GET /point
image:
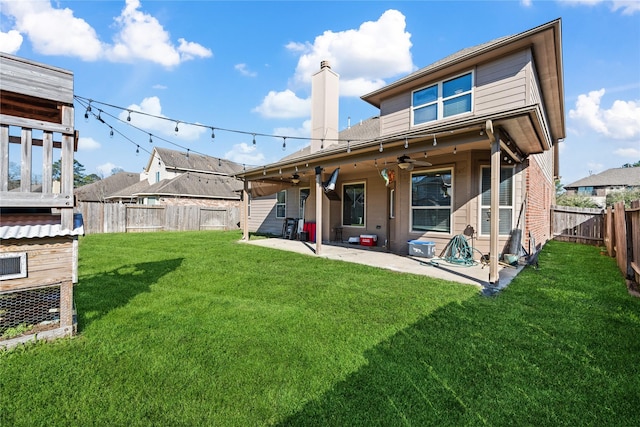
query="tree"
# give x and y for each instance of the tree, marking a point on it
(632, 165)
(78, 172)
(627, 196)
(577, 200)
(559, 188)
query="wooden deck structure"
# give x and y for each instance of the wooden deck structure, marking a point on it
(38, 230)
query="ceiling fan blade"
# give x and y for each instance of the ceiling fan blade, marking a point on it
(421, 163)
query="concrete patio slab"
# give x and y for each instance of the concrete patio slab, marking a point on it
(477, 275)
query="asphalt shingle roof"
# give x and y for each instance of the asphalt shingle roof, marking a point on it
(610, 177)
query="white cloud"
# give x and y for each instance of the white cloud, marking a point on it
(631, 153)
(158, 124)
(304, 131)
(105, 169)
(70, 36)
(10, 41)
(621, 121)
(525, 3)
(628, 7)
(159, 86)
(283, 104)
(88, 144)
(246, 154)
(362, 57)
(140, 36)
(242, 69)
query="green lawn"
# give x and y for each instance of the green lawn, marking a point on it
(183, 329)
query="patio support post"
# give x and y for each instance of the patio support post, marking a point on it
(495, 206)
(245, 211)
(319, 191)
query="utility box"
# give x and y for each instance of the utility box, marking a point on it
(422, 248)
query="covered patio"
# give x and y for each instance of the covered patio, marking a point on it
(476, 275)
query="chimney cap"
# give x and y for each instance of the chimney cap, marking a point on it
(325, 64)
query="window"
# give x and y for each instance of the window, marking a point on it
(281, 204)
(13, 265)
(443, 99)
(505, 212)
(353, 199)
(158, 176)
(304, 194)
(586, 191)
(431, 196)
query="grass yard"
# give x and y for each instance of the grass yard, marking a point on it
(195, 329)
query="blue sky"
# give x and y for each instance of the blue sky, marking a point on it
(246, 66)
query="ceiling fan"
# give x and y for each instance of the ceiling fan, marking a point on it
(295, 179)
(407, 163)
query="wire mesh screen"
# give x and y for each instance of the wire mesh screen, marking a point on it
(29, 311)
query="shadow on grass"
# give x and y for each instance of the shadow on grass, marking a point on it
(98, 294)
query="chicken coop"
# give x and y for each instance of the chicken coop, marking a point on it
(38, 228)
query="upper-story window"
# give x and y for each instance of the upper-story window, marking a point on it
(443, 99)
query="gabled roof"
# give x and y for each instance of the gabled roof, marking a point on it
(179, 160)
(545, 41)
(130, 191)
(98, 191)
(611, 177)
(195, 185)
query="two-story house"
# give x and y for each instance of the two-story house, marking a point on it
(466, 145)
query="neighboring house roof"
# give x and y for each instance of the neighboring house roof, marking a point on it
(195, 185)
(98, 191)
(179, 160)
(615, 177)
(130, 191)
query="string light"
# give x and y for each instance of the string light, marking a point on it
(434, 140)
(284, 143)
(264, 170)
(137, 150)
(187, 153)
(176, 129)
(348, 146)
(406, 142)
(100, 117)
(254, 139)
(110, 132)
(321, 144)
(219, 162)
(455, 150)
(213, 134)
(129, 116)
(381, 148)
(150, 140)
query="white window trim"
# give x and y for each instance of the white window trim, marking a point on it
(364, 222)
(23, 265)
(440, 100)
(451, 208)
(284, 204)
(512, 207)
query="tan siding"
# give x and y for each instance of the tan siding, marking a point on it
(501, 85)
(395, 114)
(49, 261)
(263, 216)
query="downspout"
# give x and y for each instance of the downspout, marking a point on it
(495, 202)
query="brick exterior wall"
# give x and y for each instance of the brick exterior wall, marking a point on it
(540, 195)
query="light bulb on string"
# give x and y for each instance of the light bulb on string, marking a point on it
(150, 139)
(455, 150)
(110, 132)
(254, 139)
(322, 143)
(176, 130)
(435, 142)
(348, 146)
(187, 153)
(128, 116)
(406, 143)
(137, 150)
(213, 134)
(284, 143)
(381, 148)
(219, 162)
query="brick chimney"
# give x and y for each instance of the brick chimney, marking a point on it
(324, 107)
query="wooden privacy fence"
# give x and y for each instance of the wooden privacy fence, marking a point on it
(578, 225)
(617, 228)
(622, 237)
(122, 218)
